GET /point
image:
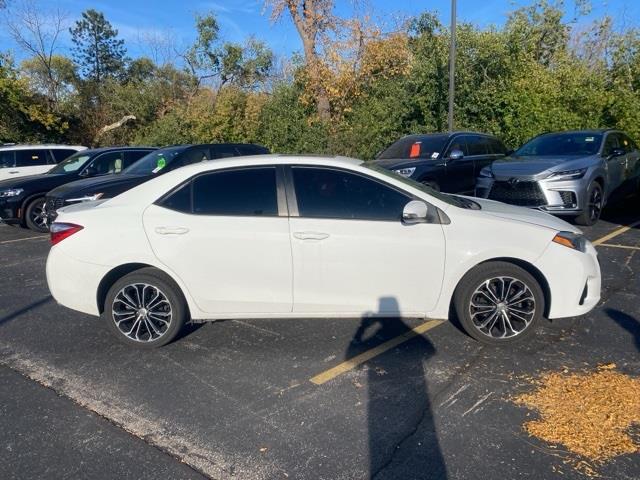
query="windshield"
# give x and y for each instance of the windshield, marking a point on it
(155, 162)
(569, 143)
(72, 164)
(455, 200)
(414, 146)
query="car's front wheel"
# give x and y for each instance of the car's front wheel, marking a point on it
(499, 302)
(35, 216)
(593, 209)
(145, 308)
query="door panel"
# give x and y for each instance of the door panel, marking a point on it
(351, 250)
(459, 176)
(616, 166)
(229, 264)
(359, 263)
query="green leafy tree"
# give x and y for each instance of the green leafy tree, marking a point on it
(97, 50)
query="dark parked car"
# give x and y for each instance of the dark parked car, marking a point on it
(22, 199)
(449, 162)
(566, 173)
(156, 163)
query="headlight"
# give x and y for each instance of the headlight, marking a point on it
(405, 172)
(572, 240)
(568, 174)
(86, 198)
(486, 173)
(11, 192)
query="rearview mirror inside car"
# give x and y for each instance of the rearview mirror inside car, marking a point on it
(456, 155)
(416, 211)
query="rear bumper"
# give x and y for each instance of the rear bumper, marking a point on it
(74, 284)
(574, 280)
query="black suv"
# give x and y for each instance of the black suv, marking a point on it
(448, 162)
(155, 163)
(22, 199)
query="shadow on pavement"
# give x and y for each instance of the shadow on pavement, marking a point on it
(17, 313)
(627, 322)
(398, 402)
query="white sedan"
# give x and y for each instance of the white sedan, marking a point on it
(296, 236)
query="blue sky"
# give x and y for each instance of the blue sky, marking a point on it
(138, 20)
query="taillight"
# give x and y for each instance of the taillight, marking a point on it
(60, 231)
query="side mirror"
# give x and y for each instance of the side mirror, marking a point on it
(616, 152)
(416, 211)
(456, 155)
(89, 172)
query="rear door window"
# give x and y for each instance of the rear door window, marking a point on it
(32, 158)
(60, 154)
(132, 156)
(242, 192)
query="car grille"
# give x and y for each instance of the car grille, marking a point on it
(525, 194)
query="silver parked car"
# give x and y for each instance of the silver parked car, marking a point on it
(565, 173)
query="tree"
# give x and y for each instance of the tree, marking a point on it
(37, 33)
(312, 19)
(97, 49)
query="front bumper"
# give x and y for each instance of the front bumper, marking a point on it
(10, 210)
(557, 197)
(573, 278)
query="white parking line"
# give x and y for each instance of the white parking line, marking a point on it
(24, 239)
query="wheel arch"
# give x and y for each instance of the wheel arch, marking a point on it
(113, 275)
(526, 266)
(26, 202)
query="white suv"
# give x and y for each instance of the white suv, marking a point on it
(21, 160)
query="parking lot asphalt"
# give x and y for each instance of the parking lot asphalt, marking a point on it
(275, 399)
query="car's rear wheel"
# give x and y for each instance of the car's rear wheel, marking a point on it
(499, 303)
(35, 217)
(593, 209)
(145, 308)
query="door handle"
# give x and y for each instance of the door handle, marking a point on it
(171, 230)
(14, 171)
(310, 235)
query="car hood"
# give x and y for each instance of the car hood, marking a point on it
(107, 184)
(522, 214)
(535, 166)
(34, 181)
(392, 163)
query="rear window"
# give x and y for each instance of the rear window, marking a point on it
(429, 146)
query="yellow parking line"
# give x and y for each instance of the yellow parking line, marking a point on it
(615, 233)
(21, 239)
(369, 354)
(613, 245)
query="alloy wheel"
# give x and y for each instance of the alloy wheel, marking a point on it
(141, 312)
(502, 307)
(39, 216)
(595, 203)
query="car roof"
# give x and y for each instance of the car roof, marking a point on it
(447, 134)
(53, 146)
(94, 151)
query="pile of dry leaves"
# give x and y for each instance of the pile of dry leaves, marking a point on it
(590, 413)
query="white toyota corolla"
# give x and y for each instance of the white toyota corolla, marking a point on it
(298, 236)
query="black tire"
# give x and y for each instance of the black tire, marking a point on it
(34, 216)
(431, 184)
(151, 332)
(523, 289)
(595, 204)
